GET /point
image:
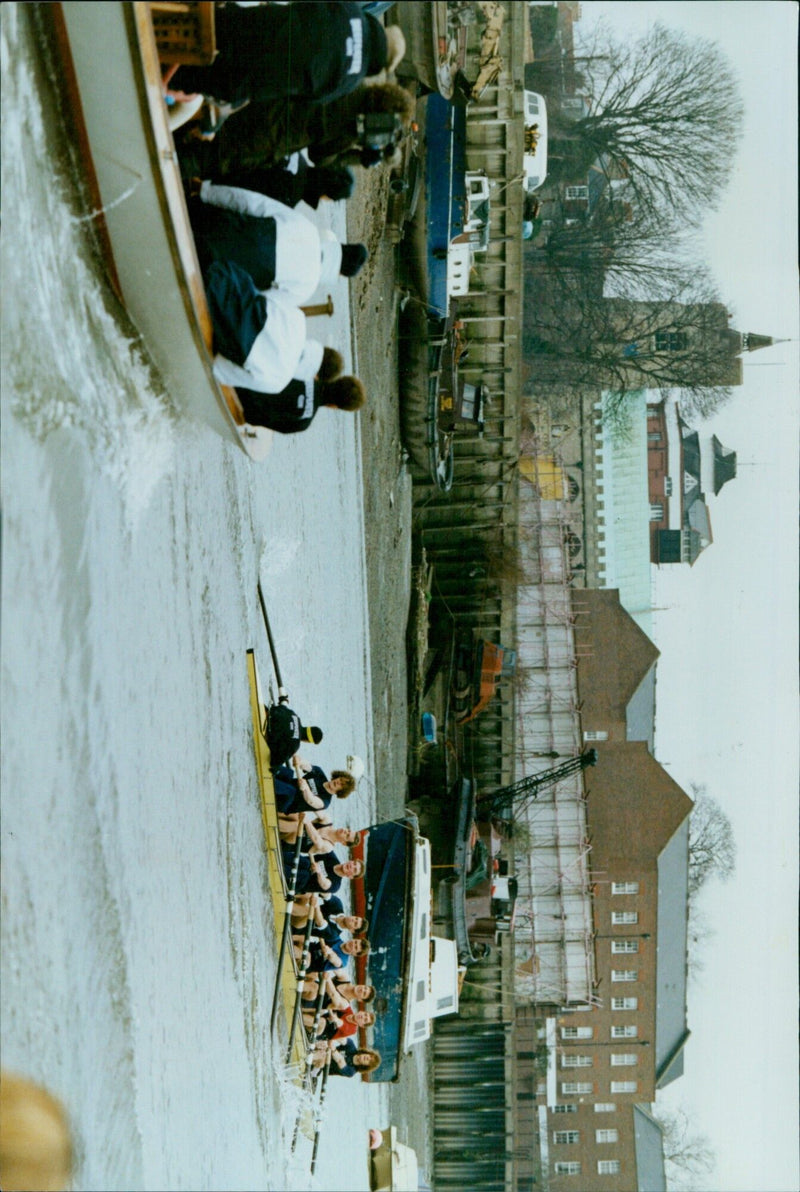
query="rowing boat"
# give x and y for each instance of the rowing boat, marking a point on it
(272, 842)
(111, 82)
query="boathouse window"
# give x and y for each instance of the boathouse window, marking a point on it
(624, 1032)
(576, 192)
(626, 1059)
(576, 1088)
(624, 974)
(595, 734)
(564, 1137)
(573, 1108)
(576, 1032)
(570, 1168)
(618, 918)
(656, 510)
(608, 1166)
(606, 1107)
(576, 1061)
(618, 946)
(668, 486)
(624, 1003)
(606, 1135)
(624, 887)
(624, 1086)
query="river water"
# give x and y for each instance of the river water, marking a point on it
(138, 946)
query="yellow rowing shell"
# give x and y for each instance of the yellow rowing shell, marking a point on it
(269, 818)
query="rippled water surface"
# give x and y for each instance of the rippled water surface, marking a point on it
(137, 943)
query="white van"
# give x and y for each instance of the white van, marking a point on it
(534, 161)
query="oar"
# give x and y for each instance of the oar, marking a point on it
(287, 925)
(308, 1075)
(301, 976)
(281, 689)
(323, 1090)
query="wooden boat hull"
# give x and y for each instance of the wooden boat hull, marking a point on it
(117, 79)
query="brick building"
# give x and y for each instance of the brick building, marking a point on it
(607, 1056)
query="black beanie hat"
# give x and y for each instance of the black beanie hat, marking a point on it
(353, 259)
(312, 734)
(374, 45)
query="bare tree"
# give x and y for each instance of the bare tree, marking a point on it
(689, 1158)
(665, 112)
(677, 342)
(712, 848)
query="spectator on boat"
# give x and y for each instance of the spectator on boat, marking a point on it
(293, 180)
(285, 731)
(364, 128)
(295, 407)
(315, 52)
(259, 338)
(277, 246)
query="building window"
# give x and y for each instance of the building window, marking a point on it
(619, 918)
(624, 975)
(605, 1107)
(576, 1061)
(624, 1032)
(624, 1086)
(576, 1088)
(571, 1168)
(624, 1003)
(593, 734)
(624, 887)
(671, 341)
(654, 436)
(565, 1108)
(618, 946)
(656, 511)
(576, 192)
(608, 1166)
(623, 1059)
(606, 1136)
(668, 486)
(563, 1137)
(577, 1032)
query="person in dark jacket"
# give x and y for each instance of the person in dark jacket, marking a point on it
(265, 134)
(317, 52)
(294, 408)
(285, 731)
(294, 180)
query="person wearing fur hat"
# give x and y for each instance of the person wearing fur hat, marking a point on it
(316, 52)
(264, 134)
(276, 245)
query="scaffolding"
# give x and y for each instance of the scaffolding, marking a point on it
(554, 933)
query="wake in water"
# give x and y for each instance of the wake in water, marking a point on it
(60, 318)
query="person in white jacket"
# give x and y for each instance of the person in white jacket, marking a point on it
(259, 336)
(279, 248)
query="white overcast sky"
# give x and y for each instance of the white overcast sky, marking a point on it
(727, 686)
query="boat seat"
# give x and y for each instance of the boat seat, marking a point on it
(184, 32)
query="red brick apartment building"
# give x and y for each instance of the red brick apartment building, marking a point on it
(607, 1057)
